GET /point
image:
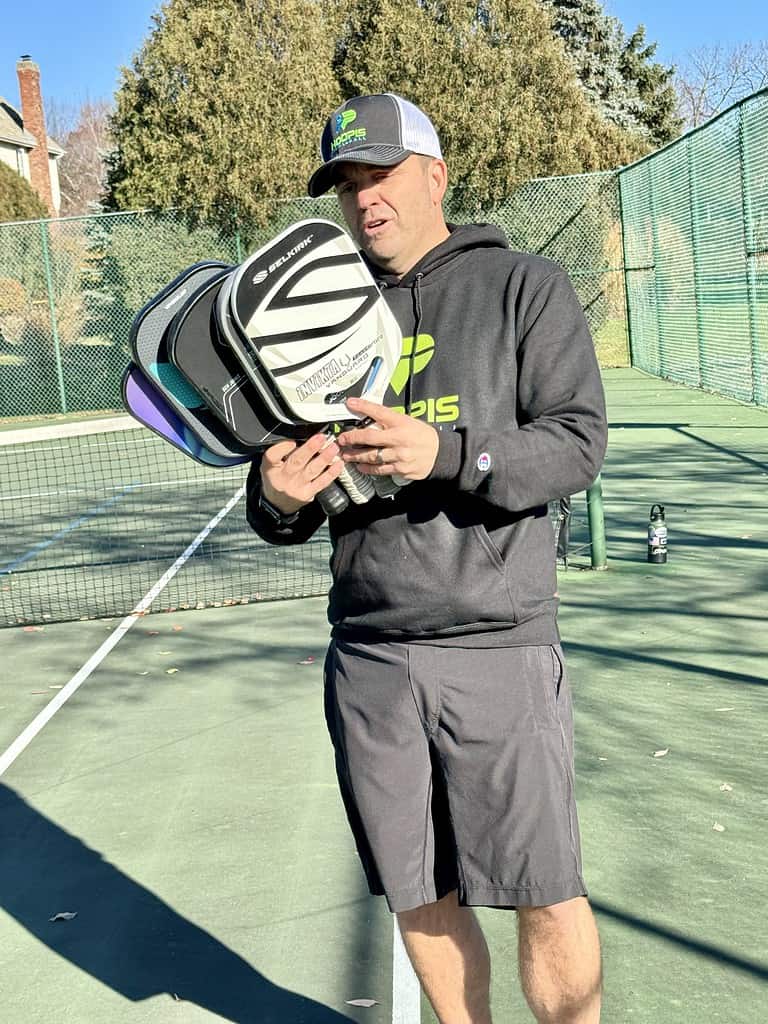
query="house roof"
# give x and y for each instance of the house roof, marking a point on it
(12, 130)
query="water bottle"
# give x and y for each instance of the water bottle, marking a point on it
(657, 536)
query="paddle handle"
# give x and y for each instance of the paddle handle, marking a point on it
(333, 499)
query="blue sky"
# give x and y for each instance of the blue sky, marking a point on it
(679, 26)
(80, 48)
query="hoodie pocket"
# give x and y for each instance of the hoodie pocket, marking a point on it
(485, 539)
(421, 574)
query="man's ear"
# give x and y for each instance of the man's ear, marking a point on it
(437, 176)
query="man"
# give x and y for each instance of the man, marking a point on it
(446, 694)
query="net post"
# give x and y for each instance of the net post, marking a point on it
(52, 311)
(596, 517)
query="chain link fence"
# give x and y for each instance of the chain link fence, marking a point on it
(669, 254)
(695, 220)
(70, 288)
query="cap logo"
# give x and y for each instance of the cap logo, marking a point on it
(346, 117)
(347, 137)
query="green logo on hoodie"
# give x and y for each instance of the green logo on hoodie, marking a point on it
(418, 351)
(416, 355)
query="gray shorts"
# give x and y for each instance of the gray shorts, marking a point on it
(456, 771)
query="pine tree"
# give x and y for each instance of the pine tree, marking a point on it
(657, 108)
(498, 86)
(617, 72)
(18, 200)
(220, 113)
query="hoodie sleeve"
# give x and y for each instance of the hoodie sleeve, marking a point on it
(558, 444)
(311, 516)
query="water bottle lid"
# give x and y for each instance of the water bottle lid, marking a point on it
(657, 514)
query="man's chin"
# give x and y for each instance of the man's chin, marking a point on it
(381, 255)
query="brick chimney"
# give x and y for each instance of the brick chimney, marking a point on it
(34, 122)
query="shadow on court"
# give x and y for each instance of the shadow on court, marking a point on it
(124, 936)
(685, 943)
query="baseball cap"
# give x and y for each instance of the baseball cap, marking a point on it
(382, 129)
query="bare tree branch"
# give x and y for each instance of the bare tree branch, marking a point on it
(84, 135)
(711, 78)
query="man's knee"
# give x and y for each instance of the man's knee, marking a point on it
(555, 915)
(432, 918)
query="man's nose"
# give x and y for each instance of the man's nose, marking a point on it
(367, 194)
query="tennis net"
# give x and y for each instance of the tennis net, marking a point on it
(92, 515)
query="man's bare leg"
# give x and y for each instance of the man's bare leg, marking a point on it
(559, 954)
(448, 952)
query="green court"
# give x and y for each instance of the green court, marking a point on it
(182, 801)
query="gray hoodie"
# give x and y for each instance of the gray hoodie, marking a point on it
(504, 367)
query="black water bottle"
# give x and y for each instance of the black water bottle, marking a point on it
(657, 536)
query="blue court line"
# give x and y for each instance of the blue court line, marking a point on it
(35, 550)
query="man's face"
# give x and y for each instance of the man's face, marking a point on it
(394, 213)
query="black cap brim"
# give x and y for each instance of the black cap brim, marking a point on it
(324, 177)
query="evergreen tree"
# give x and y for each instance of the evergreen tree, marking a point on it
(18, 200)
(656, 109)
(497, 85)
(220, 113)
(616, 71)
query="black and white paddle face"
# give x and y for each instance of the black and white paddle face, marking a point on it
(150, 352)
(208, 363)
(309, 325)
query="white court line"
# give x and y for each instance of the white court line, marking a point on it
(406, 991)
(22, 741)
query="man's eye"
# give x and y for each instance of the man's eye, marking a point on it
(343, 188)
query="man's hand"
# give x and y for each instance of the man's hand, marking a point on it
(292, 475)
(397, 443)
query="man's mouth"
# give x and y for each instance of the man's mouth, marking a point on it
(372, 227)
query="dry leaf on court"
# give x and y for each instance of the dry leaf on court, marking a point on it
(153, 632)
(143, 673)
(725, 709)
(171, 671)
(717, 827)
(725, 788)
(33, 629)
(362, 1002)
(306, 661)
(64, 915)
(661, 753)
(177, 629)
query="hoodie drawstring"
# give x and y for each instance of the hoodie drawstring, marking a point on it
(416, 293)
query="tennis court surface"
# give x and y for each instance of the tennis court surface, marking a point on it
(181, 803)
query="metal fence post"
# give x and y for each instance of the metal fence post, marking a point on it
(656, 249)
(52, 310)
(596, 517)
(625, 268)
(696, 251)
(749, 265)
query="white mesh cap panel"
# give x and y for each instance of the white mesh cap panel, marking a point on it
(418, 132)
